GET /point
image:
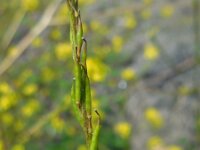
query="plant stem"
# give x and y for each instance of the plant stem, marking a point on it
(81, 93)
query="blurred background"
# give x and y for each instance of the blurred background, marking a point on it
(143, 65)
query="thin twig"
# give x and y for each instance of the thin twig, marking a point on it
(12, 29)
(26, 41)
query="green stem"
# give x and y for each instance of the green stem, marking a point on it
(81, 92)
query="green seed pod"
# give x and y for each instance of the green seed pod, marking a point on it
(84, 56)
(88, 101)
(75, 108)
(79, 35)
(78, 83)
(83, 77)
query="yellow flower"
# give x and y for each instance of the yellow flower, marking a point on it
(30, 5)
(117, 43)
(37, 42)
(5, 88)
(82, 147)
(151, 52)
(174, 147)
(128, 74)
(154, 142)
(56, 34)
(97, 71)
(30, 89)
(130, 22)
(61, 14)
(57, 123)
(63, 51)
(167, 11)
(95, 25)
(123, 129)
(154, 117)
(29, 108)
(18, 147)
(6, 102)
(7, 118)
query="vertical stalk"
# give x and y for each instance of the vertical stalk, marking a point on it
(80, 92)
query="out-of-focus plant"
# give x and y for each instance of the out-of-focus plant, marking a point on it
(80, 92)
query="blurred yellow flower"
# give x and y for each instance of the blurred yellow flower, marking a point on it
(63, 51)
(130, 22)
(61, 14)
(151, 52)
(82, 147)
(154, 142)
(7, 118)
(154, 117)
(57, 123)
(5, 88)
(30, 89)
(117, 43)
(97, 70)
(55, 34)
(174, 147)
(123, 129)
(29, 108)
(6, 102)
(30, 5)
(167, 11)
(37, 42)
(95, 25)
(128, 74)
(18, 147)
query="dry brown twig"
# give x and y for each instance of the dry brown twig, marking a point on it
(26, 41)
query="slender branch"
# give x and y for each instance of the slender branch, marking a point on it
(12, 29)
(26, 41)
